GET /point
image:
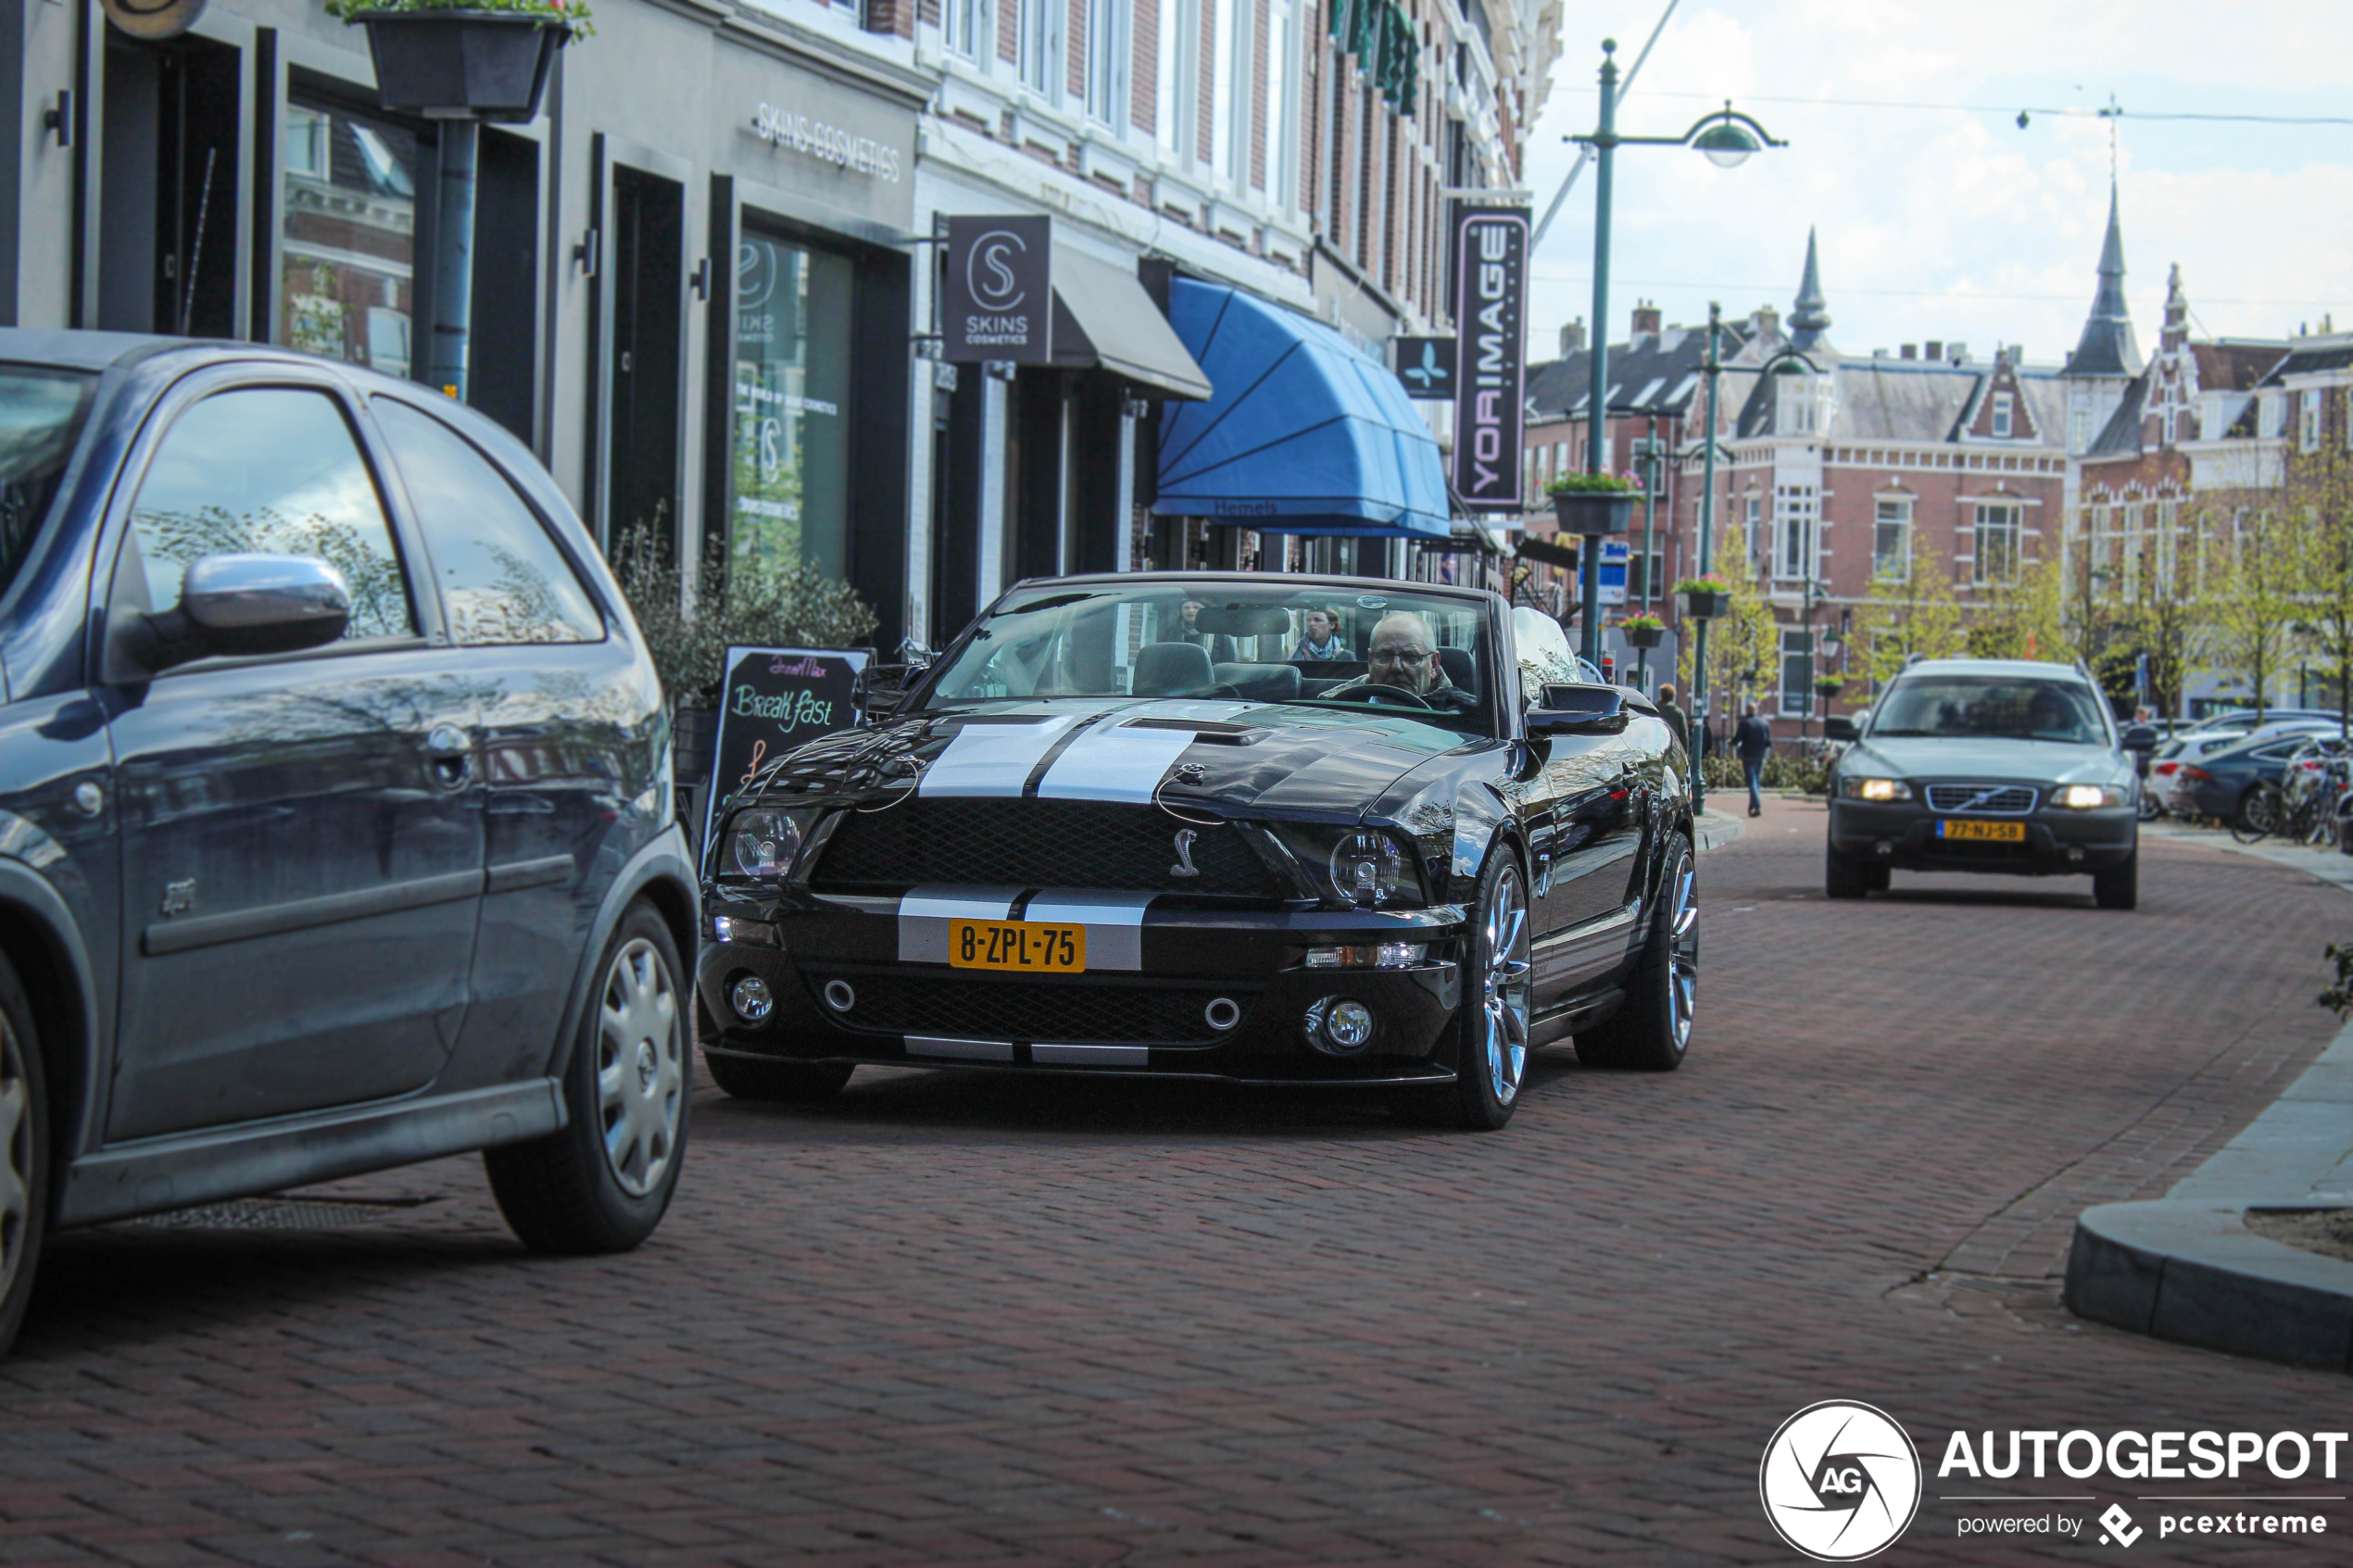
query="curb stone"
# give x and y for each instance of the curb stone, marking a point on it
(2186, 1267)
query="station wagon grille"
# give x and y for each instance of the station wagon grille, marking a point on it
(1035, 843)
(1029, 1009)
(1998, 800)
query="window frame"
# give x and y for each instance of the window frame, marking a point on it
(2004, 416)
(118, 532)
(1803, 653)
(1982, 527)
(1880, 519)
(584, 579)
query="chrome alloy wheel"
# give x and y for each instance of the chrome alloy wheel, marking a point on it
(16, 1157)
(1503, 981)
(1682, 949)
(641, 1067)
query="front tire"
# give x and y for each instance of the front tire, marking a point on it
(1845, 877)
(24, 1153)
(1653, 1030)
(1491, 1062)
(602, 1183)
(777, 1083)
(2120, 887)
(2260, 812)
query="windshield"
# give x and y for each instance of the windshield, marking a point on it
(41, 414)
(1992, 707)
(1381, 645)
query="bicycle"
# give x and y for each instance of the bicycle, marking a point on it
(2302, 808)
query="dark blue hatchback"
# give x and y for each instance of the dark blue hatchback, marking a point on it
(335, 818)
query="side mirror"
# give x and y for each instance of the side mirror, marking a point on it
(1578, 711)
(250, 604)
(882, 685)
(1842, 729)
(2138, 738)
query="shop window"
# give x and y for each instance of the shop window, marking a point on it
(270, 470)
(503, 579)
(788, 504)
(349, 239)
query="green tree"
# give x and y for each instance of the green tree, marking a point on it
(1913, 613)
(2249, 604)
(2022, 619)
(2319, 498)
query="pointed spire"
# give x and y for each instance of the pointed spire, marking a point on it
(2177, 313)
(1812, 317)
(2109, 347)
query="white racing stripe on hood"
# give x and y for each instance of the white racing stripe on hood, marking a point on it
(993, 757)
(925, 913)
(1116, 761)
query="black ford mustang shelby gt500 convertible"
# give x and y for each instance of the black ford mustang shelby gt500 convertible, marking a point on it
(1275, 829)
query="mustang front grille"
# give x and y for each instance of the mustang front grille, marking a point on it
(1029, 1009)
(1997, 800)
(1038, 844)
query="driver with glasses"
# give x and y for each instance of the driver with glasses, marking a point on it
(1404, 658)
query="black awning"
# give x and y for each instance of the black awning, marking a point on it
(1103, 318)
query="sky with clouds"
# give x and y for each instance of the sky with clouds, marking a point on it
(1947, 220)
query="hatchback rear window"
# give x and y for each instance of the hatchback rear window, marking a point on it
(40, 415)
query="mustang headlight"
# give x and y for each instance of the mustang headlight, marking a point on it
(1366, 867)
(2086, 797)
(762, 842)
(1874, 789)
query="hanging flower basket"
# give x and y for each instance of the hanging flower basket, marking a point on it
(1706, 598)
(486, 65)
(1592, 513)
(1643, 631)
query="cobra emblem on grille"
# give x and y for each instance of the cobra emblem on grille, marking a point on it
(1184, 866)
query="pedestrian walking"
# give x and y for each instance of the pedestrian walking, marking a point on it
(1754, 742)
(1674, 717)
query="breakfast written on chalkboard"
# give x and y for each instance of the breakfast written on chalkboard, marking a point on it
(776, 700)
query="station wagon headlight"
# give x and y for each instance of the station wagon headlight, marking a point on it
(1874, 789)
(762, 842)
(2086, 797)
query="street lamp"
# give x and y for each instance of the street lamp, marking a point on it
(1725, 138)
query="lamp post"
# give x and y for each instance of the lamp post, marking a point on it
(1727, 138)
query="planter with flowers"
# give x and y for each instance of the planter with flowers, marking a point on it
(1593, 503)
(465, 59)
(1706, 598)
(1643, 631)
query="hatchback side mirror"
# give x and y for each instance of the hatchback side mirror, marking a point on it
(1578, 711)
(250, 604)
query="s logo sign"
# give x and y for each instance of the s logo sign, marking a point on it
(989, 275)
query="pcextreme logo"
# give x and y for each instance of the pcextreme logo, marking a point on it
(1840, 1481)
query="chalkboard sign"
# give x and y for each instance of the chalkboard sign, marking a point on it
(774, 700)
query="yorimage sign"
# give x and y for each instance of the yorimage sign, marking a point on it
(1490, 331)
(1001, 290)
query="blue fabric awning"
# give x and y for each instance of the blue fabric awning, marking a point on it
(1304, 434)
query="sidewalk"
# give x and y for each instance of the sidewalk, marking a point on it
(2186, 1267)
(1714, 829)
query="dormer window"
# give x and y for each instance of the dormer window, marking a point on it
(1794, 413)
(2005, 414)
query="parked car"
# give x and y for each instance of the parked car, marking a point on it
(2218, 780)
(1080, 845)
(2000, 765)
(335, 829)
(2204, 739)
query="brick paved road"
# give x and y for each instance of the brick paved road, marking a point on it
(974, 1320)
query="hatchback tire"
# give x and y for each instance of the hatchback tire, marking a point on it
(782, 1083)
(602, 1183)
(2120, 887)
(24, 1153)
(1653, 1029)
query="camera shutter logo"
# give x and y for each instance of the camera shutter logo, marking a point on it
(1840, 1481)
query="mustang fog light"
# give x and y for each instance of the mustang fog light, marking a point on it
(1349, 1025)
(839, 996)
(751, 998)
(1222, 1013)
(1383, 955)
(2086, 797)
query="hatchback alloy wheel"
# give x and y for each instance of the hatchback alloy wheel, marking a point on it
(640, 1067)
